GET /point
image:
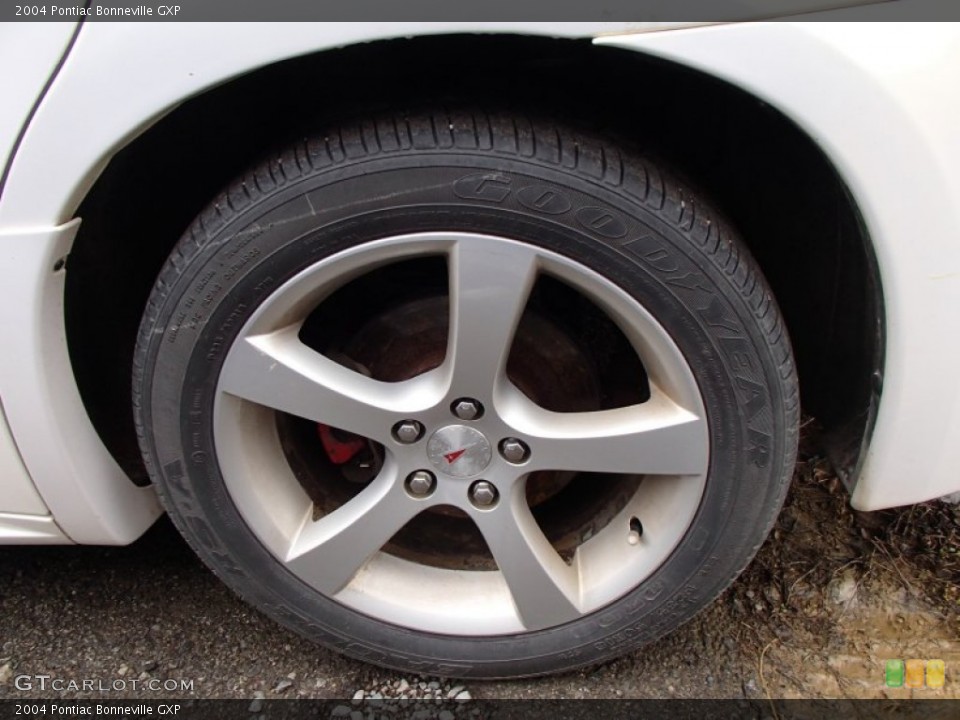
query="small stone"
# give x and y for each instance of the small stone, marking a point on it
(434, 685)
(783, 632)
(772, 595)
(750, 687)
(340, 711)
(6, 672)
(358, 697)
(256, 705)
(843, 589)
(123, 670)
(462, 696)
(403, 686)
(150, 665)
(292, 676)
(283, 685)
(454, 690)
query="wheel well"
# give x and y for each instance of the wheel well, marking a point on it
(768, 176)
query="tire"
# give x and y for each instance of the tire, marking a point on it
(587, 340)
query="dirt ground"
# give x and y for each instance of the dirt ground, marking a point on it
(835, 593)
(830, 597)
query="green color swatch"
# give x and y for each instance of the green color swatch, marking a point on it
(894, 673)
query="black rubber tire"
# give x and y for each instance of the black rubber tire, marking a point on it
(617, 214)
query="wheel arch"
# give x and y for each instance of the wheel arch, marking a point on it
(797, 215)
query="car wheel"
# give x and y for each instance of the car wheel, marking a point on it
(467, 394)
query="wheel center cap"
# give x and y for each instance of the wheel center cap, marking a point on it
(459, 451)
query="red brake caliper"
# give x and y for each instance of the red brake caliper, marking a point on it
(341, 446)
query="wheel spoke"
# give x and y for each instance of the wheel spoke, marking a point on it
(489, 286)
(280, 372)
(544, 588)
(657, 437)
(328, 552)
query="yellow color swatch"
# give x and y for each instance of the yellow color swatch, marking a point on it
(936, 673)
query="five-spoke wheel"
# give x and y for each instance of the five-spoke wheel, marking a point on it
(434, 457)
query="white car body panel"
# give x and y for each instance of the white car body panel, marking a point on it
(865, 94)
(19, 495)
(91, 498)
(43, 44)
(24, 517)
(858, 90)
(16, 529)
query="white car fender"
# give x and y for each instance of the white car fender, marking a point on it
(866, 95)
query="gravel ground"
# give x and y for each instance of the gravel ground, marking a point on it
(830, 597)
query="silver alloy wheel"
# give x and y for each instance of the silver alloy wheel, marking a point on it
(663, 441)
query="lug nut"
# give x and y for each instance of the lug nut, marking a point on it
(408, 431)
(467, 409)
(483, 494)
(513, 450)
(420, 483)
